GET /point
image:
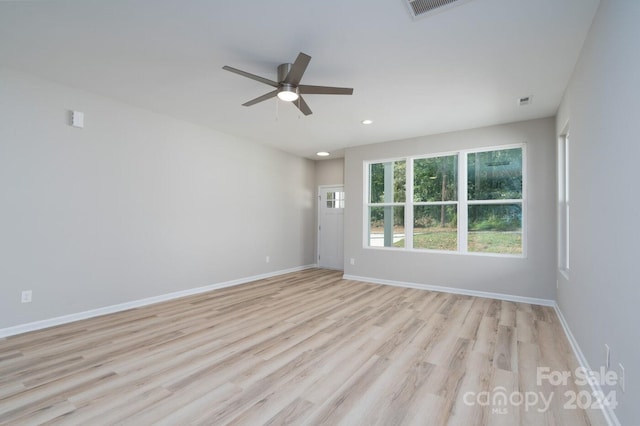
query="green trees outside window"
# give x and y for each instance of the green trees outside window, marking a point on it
(435, 207)
(387, 195)
(495, 227)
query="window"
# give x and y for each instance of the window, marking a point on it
(386, 204)
(335, 200)
(494, 194)
(435, 203)
(563, 204)
(466, 202)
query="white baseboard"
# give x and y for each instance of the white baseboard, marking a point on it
(38, 325)
(608, 413)
(465, 292)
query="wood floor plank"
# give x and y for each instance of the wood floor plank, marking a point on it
(302, 348)
(506, 350)
(291, 414)
(388, 399)
(340, 368)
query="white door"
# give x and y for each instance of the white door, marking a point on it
(330, 227)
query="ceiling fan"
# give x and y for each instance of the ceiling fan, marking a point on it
(288, 87)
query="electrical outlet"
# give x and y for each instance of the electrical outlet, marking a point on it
(352, 261)
(26, 296)
(621, 378)
(267, 259)
(607, 357)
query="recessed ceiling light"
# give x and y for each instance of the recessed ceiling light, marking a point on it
(367, 121)
(322, 154)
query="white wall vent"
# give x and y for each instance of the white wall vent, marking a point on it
(421, 8)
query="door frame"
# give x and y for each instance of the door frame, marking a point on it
(318, 216)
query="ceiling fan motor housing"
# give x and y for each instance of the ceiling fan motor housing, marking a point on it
(283, 71)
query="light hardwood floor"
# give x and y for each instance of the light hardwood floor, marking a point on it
(301, 348)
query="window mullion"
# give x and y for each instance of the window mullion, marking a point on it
(498, 201)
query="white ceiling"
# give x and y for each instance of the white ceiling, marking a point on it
(459, 69)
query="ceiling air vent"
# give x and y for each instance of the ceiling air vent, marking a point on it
(525, 100)
(421, 8)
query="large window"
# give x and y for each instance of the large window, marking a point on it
(468, 202)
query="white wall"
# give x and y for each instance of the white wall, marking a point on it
(134, 205)
(532, 276)
(600, 300)
(330, 172)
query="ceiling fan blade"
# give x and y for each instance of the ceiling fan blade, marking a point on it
(302, 106)
(251, 76)
(261, 98)
(324, 90)
(297, 69)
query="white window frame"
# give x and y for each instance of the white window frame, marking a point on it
(411, 203)
(367, 204)
(462, 202)
(563, 205)
(522, 202)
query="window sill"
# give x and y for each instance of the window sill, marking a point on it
(455, 253)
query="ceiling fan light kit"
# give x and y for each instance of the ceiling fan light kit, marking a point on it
(288, 93)
(288, 87)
